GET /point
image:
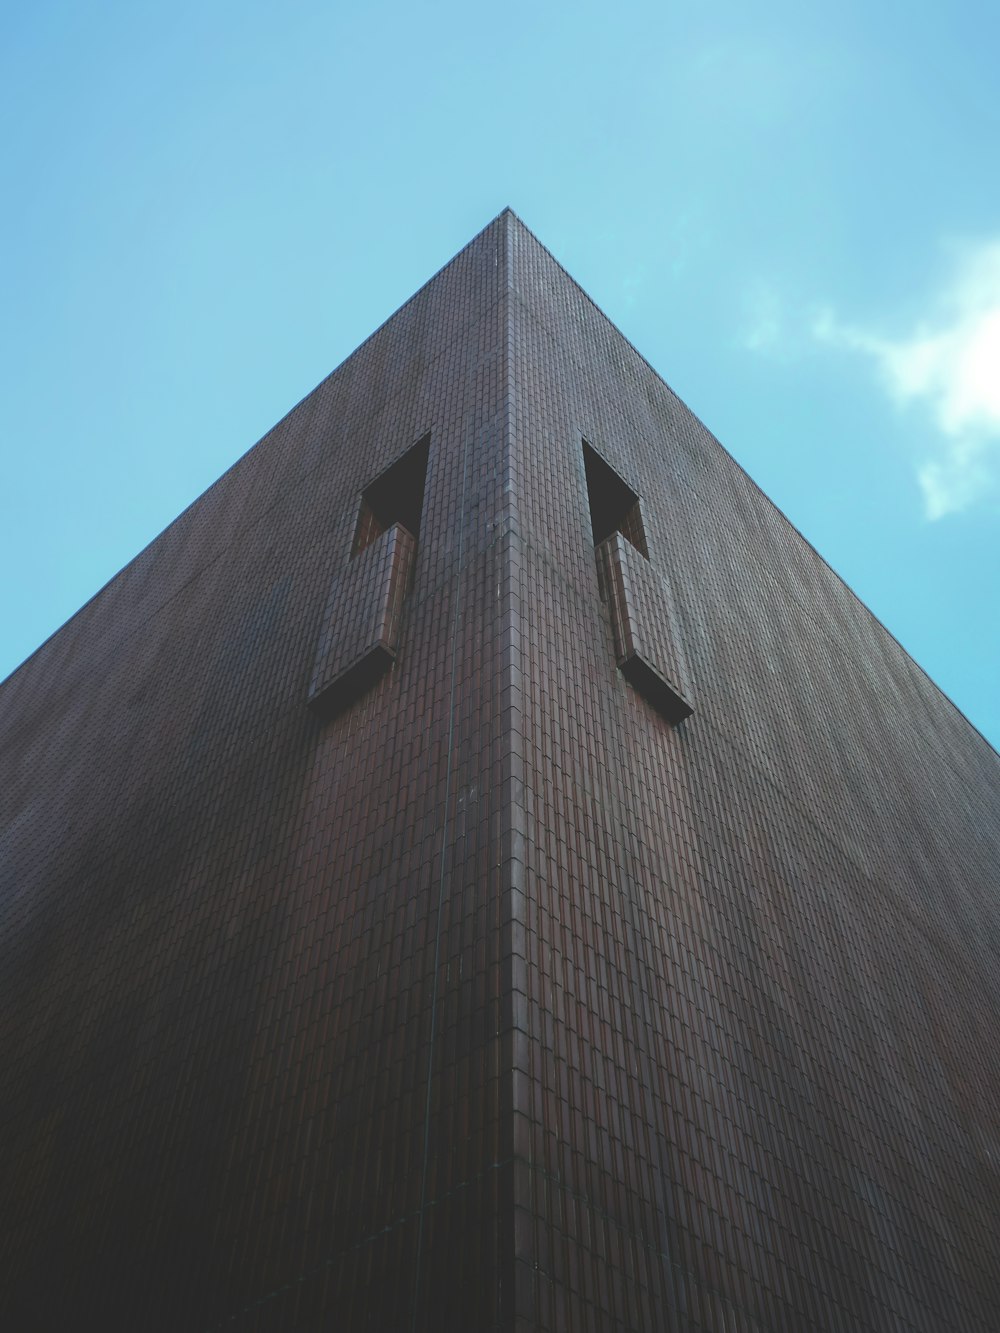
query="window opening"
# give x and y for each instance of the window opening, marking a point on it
(614, 506)
(396, 496)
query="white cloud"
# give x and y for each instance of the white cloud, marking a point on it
(771, 327)
(764, 332)
(950, 364)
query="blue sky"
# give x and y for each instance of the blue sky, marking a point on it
(792, 210)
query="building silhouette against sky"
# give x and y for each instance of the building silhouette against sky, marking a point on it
(480, 869)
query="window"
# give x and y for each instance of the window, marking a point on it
(614, 506)
(396, 496)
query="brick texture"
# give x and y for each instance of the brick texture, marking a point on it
(490, 999)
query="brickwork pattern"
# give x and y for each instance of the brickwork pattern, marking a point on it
(250, 1000)
(494, 1001)
(760, 974)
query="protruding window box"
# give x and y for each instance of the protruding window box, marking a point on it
(640, 618)
(361, 625)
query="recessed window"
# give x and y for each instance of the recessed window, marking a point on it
(396, 496)
(614, 506)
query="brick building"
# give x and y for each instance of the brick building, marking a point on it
(388, 946)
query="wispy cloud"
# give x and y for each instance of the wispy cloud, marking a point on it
(764, 330)
(950, 365)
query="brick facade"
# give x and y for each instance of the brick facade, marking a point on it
(490, 993)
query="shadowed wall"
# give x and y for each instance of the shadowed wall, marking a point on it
(486, 997)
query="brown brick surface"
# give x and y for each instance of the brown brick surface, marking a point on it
(493, 1001)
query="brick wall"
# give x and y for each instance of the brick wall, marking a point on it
(493, 998)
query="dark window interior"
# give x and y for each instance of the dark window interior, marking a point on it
(614, 506)
(397, 496)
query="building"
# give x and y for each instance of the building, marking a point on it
(387, 945)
